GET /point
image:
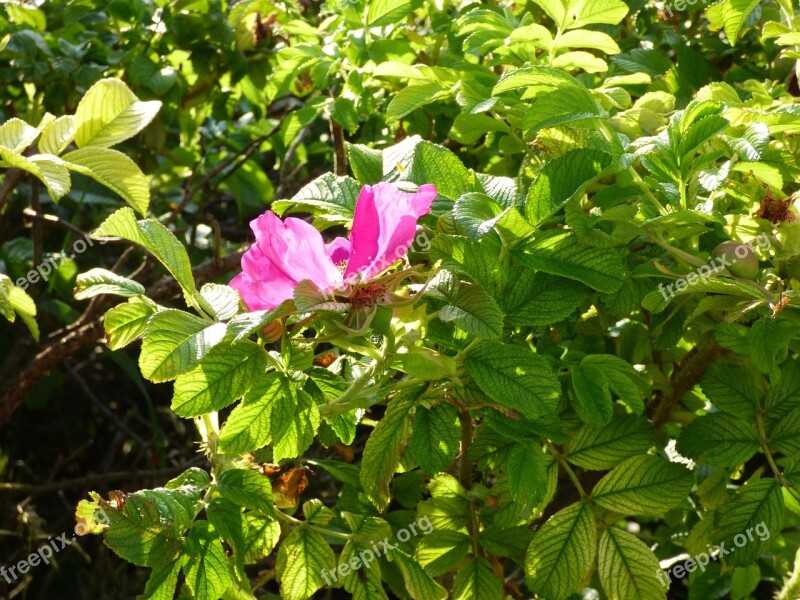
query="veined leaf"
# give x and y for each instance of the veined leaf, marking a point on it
(627, 567)
(126, 322)
(154, 237)
(441, 551)
(719, 439)
(248, 426)
(515, 377)
(436, 438)
(419, 584)
(115, 171)
(605, 447)
(100, 281)
(57, 135)
(110, 113)
(731, 389)
(222, 376)
(16, 135)
(174, 342)
(248, 489)
(383, 450)
(47, 168)
(207, 573)
(561, 253)
(477, 580)
(302, 558)
(475, 311)
(759, 504)
(562, 552)
(643, 485)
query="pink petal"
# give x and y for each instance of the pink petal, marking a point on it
(285, 253)
(384, 226)
(339, 250)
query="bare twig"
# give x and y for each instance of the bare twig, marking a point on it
(234, 161)
(26, 489)
(57, 350)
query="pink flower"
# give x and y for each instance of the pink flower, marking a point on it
(290, 251)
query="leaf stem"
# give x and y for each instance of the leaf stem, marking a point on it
(321, 530)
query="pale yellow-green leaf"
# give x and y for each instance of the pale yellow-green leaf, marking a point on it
(57, 135)
(16, 134)
(302, 558)
(584, 38)
(49, 169)
(110, 113)
(114, 170)
(580, 60)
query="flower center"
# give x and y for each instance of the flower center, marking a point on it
(369, 295)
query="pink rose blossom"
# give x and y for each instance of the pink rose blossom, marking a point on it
(290, 251)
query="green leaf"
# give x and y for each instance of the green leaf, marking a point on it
(413, 97)
(601, 448)
(16, 135)
(331, 199)
(527, 472)
(262, 536)
(719, 439)
(561, 179)
(562, 253)
(436, 438)
(147, 530)
(295, 419)
(441, 551)
(515, 377)
(627, 567)
(477, 214)
(243, 326)
(48, 169)
(592, 395)
(570, 103)
(163, 581)
(431, 163)
(246, 488)
(585, 38)
(248, 426)
(562, 552)
(223, 299)
(510, 542)
(100, 281)
(115, 171)
(731, 389)
(229, 522)
(206, 571)
(383, 450)
(225, 374)
(57, 135)
(477, 580)
(365, 162)
(539, 299)
(757, 507)
(590, 12)
(302, 558)
(174, 342)
(110, 113)
(317, 513)
(387, 12)
(731, 14)
(785, 435)
(475, 311)
(154, 237)
(643, 485)
(126, 322)
(419, 585)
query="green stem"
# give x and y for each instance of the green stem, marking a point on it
(568, 470)
(762, 433)
(328, 532)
